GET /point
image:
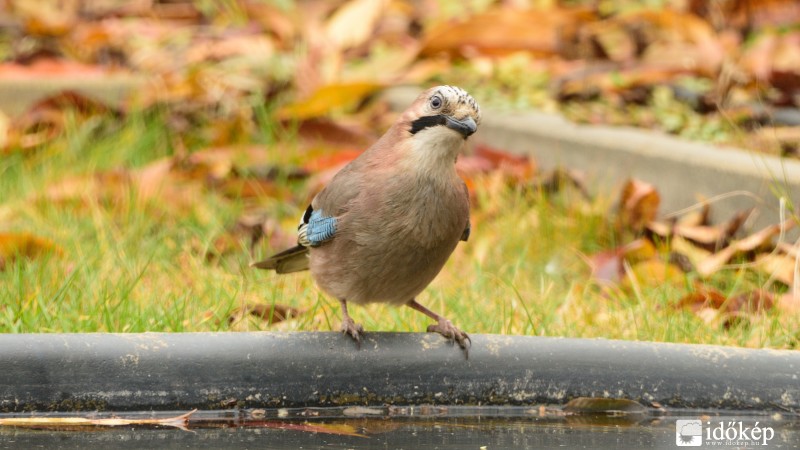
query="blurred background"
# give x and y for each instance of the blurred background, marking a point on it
(149, 150)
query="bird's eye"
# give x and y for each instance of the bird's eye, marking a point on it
(436, 102)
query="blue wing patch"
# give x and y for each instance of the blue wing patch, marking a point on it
(316, 228)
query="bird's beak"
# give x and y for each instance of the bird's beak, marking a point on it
(465, 126)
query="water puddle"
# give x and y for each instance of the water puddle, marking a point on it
(404, 428)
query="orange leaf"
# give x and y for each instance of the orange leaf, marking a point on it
(519, 167)
(354, 23)
(638, 204)
(788, 303)
(760, 239)
(777, 265)
(50, 67)
(335, 160)
(334, 134)
(328, 98)
(504, 31)
(702, 297)
(23, 245)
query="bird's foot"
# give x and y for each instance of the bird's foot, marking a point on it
(352, 329)
(448, 330)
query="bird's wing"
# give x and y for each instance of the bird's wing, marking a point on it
(315, 228)
(467, 231)
(319, 222)
(468, 227)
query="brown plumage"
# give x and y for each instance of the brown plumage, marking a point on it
(384, 227)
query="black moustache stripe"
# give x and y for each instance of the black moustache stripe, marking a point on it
(426, 122)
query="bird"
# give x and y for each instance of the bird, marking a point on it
(382, 229)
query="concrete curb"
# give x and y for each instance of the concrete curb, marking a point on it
(166, 371)
(683, 171)
(17, 95)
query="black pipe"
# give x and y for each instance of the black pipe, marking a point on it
(160, 371)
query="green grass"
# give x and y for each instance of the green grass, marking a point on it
(133, 265)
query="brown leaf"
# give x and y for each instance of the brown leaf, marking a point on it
(760, 239)
(335, 160)
(788, 303)
(662, 37)
(241, 45)
(749, 14)
(24, 245)
(249, 227)
(701, 297)
(692, 252)
(696, 217)
(654, 272)
(328, 98)
(50, 67)
(46, 119)
(638, 204)
(160, 183)
(271, 314)
(705, 296)
(517, 167)
(504, 31)
(331, 134)
(706, 236)
(510, 169)
(750, 302)
(777, 265)
(607, 266)
(354, 23)
(558, 178)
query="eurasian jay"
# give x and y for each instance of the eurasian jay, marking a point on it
(385, 225)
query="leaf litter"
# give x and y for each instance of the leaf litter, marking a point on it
(213, 69)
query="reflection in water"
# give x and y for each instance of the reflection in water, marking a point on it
(417, 427)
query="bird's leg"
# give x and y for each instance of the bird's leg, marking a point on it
(349, 327)
(443, 327)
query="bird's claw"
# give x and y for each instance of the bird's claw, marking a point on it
(453, 334)
(352, 329)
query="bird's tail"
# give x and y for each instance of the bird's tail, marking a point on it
(294, 259)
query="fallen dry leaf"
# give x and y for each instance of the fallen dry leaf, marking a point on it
(653, 272)
(776, 265)
(760, 239)
(328, 98)
(608, 266)
(638, 205)
(788, 303)
(54, 422)
(694, 254)
(270, 314)
(48, 67)
(24, 245)
(354, 23)
(701, 297)
(696, 229)
(704, 297)
(502, 31)
(334, 135)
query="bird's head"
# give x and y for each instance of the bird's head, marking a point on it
(443, 110)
